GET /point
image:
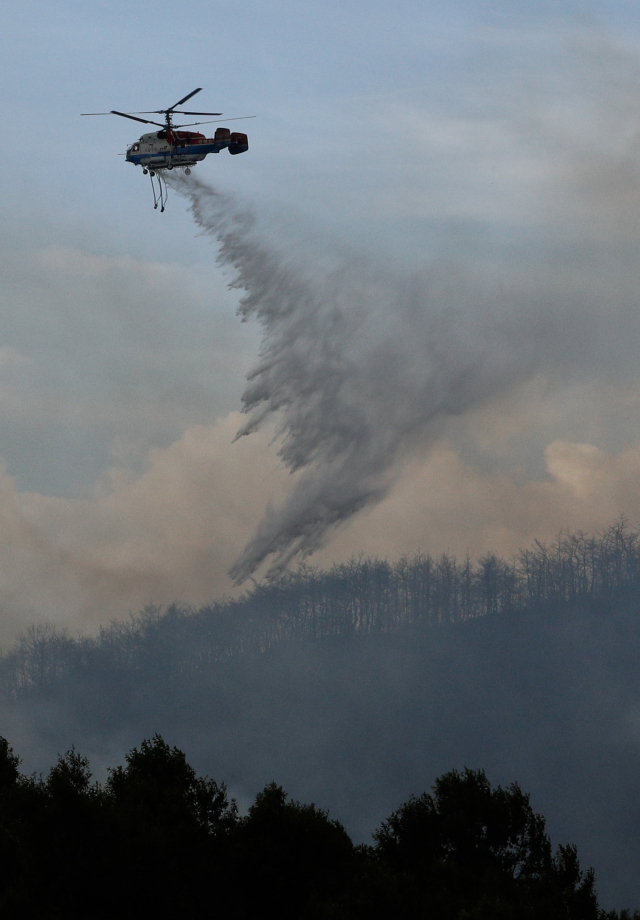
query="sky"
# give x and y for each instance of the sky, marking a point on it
(475, 163)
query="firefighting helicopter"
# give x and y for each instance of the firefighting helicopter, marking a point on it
(171, 146)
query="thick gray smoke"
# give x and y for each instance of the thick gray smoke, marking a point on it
(359, 367)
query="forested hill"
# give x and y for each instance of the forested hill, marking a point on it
(358, 686)
(361, 597)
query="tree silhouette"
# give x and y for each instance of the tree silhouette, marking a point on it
(168, 828)
(474, 851)
(290, 855)
(156, 840)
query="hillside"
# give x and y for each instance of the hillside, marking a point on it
(355, 688)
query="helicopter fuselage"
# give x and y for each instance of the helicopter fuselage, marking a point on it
(171, 147)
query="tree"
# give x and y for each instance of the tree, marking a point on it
(9, 764)
(160, 786)
(169, 829)
(472, 851)
(290, 856)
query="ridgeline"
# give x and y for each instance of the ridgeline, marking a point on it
(359, 598)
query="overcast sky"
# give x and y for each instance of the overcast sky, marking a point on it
(502, 139)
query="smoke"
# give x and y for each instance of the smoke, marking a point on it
(360, 367)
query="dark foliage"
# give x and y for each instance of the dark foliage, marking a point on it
(291, 854)
(472, 851)
(157, 840)
(169, 830)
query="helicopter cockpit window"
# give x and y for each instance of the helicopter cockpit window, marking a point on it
(135, 148)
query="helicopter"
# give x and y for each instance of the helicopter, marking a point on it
(172, 147)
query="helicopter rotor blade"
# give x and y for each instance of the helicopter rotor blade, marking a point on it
(145, 121)
(191, 124)
(96, 113)
(164, 112)
(184, 100)
(215, 121)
